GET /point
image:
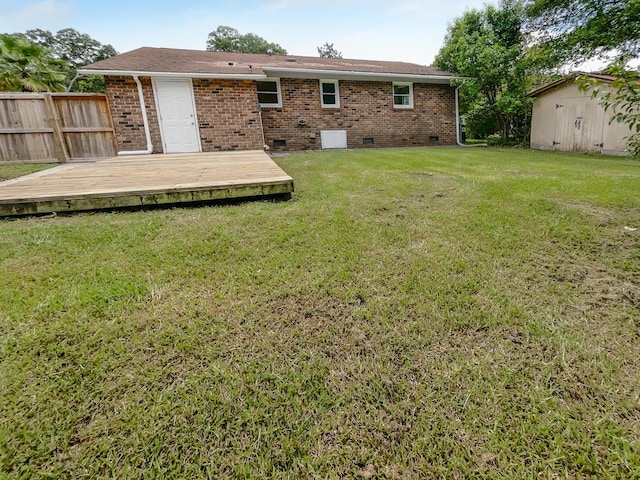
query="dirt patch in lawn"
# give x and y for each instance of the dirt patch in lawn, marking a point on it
(601, 215)
(624, 217)
(595, 288)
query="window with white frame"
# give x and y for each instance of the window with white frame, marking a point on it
(269, 92)
(329, 94)
(402, 95)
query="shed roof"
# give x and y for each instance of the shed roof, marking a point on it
(148, 61)
(568, 79)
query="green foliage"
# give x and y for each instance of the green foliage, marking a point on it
(328, 51)
(228, 39)
(77, 50)
(480, 122)
(74, 50)
(622, 97)
(488, 46)
(576, 30)
(26, 67)
(89, 84)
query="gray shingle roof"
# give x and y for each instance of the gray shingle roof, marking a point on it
(605, 77)
(168, 60)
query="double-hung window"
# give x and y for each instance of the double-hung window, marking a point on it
(269, 92)
(329, 94)
(402, 95)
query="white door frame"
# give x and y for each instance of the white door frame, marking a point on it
(154, 82)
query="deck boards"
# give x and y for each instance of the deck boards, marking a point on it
(144, 180)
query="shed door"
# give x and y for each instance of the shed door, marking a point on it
(579, 126)
(177, 116)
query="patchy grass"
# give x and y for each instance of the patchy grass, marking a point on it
(411, 313)
(8, 171)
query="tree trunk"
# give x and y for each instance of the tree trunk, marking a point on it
(503, 124)
(24, 75)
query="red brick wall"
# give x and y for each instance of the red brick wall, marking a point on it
(227, 111)
(122, 93)
(228, 115)
(366, 111)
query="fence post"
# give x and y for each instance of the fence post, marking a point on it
(58, 138)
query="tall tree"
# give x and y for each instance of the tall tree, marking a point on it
(488, 47)
(228, 39)
(328, 51)
(26, 67)
(577, 30)
(77, 50)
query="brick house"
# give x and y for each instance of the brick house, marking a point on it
(169, 101)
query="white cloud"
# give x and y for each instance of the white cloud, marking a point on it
(46, 14)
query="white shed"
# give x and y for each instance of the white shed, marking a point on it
(569, 120)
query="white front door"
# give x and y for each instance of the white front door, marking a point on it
(177, 116)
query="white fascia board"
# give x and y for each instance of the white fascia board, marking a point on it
(346, 75)
(126, 73)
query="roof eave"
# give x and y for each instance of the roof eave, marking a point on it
(548, 86)
(268, 71)
(354, 75)
(129, 73)
(566, 79)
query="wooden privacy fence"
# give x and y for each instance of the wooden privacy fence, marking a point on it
(55, 127)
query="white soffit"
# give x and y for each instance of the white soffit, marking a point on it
(361, 76)
(124, 73)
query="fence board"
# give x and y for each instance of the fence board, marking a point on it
(81, 117)
(27, 113)
(27, 148)
(55, 127)
(58, 139)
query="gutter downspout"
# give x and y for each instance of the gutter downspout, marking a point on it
(457, 120)
(145, 121)
(265, 147)
(458, 127)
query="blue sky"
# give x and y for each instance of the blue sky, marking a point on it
(403, 30)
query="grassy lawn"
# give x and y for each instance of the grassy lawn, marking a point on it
(11, 171)
(431, 313)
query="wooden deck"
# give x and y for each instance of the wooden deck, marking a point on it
(135, 181)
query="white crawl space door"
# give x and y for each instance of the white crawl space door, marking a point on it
(333, 139)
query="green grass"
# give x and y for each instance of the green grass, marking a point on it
(411, 313)
(11, 171)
